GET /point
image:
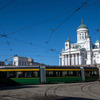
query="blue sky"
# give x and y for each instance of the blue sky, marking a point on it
(25, 18)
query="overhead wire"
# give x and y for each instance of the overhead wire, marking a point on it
(50, 36)
(8, 43)
(5, 36)
(7, 4)
(19, 40)
(51, 49)
(44, 22)
(26, 42)
(95, 32)
(4, 6)
(71, 14)
(36, 25)
(31, 27)
(40, 22)
(47, 20)
(90, 5)
(82, 5)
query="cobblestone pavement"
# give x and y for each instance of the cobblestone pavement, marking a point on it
(62, 91)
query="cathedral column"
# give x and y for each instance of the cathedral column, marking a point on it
(76, 59)
(68, 59)
(72, 62)
(80, 59)
(65, 59)
(84, 35)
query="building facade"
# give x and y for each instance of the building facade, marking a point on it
(24, 61)
(84, 52)
(20, 61)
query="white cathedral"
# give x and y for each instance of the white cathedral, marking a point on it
(84, 52)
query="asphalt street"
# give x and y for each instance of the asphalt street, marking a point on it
(61, 91)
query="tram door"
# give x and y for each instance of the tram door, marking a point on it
(42, 74)
(82, 73)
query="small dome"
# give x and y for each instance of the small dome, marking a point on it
(82, 26)
(97, 41)
(30, 60)
(68, 41)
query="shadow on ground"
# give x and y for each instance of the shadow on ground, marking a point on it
(16, 87)
(74, 98)
(60, 98)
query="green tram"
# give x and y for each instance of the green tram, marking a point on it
(63, 74)
(47, 74)
(20, 75)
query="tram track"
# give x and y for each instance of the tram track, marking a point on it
(52, 91)
(50, 95)
(56, 92)
(90, 88)
(87, 89)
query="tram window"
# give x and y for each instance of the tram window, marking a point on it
(70, 73)
(58, 73)
(49, 74)
(87, 73)
(11, 74)
(79, 73)
(64, 73)
(91, 73)
(96, 73)
(19, 74)
(75, 73)
(3, 75)
(35, 74)
(27, 74)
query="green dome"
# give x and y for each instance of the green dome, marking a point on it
(97, 41)
(82, 26)
(68, 41)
